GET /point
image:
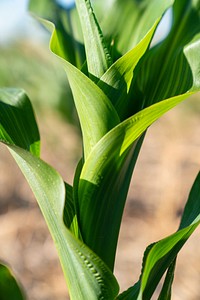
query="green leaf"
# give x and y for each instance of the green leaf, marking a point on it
(105, 179)
(96, 113)
(161, 256)
(159, 259)
(127, 22)
(191, 213)
(131, 293)
(15, 113)
(69, 213)
(68, 29)
(116, 81)
(156, 262)
(9, 287)
(166, 291)
(173, 66)
(98, 57)
(86, 274)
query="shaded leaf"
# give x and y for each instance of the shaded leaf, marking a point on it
(69, 213)
(166, 291)
(191, 213)
(131, 293)
(9, 287)
(15, 113)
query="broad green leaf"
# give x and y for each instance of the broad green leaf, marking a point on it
(16, 113)
(68, 29)
(108, 194)
(159, 259)
(191, 214)
(98, 57)
(127, 22)
(133, 291)
(173, 66)
(116, 81)
(161, 256)
(104, 180)
(9, 287)
(86, 274)
(96, 113)
(18, 127)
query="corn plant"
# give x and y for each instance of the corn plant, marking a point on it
(121, 85)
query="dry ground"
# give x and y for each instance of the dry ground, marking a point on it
(167, 166)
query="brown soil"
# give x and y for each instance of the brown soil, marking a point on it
(167, 166)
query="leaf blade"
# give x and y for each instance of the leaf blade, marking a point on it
(75, 257)
(161, 255)
(15, 113)
(175, 59)
(85, 273)
(133, 17)
(68, 33)
(116, 81)
(98, 57)
(107, 163)
(97, 114)
(9, 287)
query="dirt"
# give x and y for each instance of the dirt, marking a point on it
(167, 166)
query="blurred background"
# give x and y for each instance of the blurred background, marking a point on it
(167, 166)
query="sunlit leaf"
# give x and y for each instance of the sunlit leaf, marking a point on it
(98, 57)
(191, 214)
(127, 22)
(161, 256)
(105, 179)
(96, 113)
(116, 81)
(86, 274)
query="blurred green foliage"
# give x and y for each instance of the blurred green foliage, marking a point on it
(32, 67)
